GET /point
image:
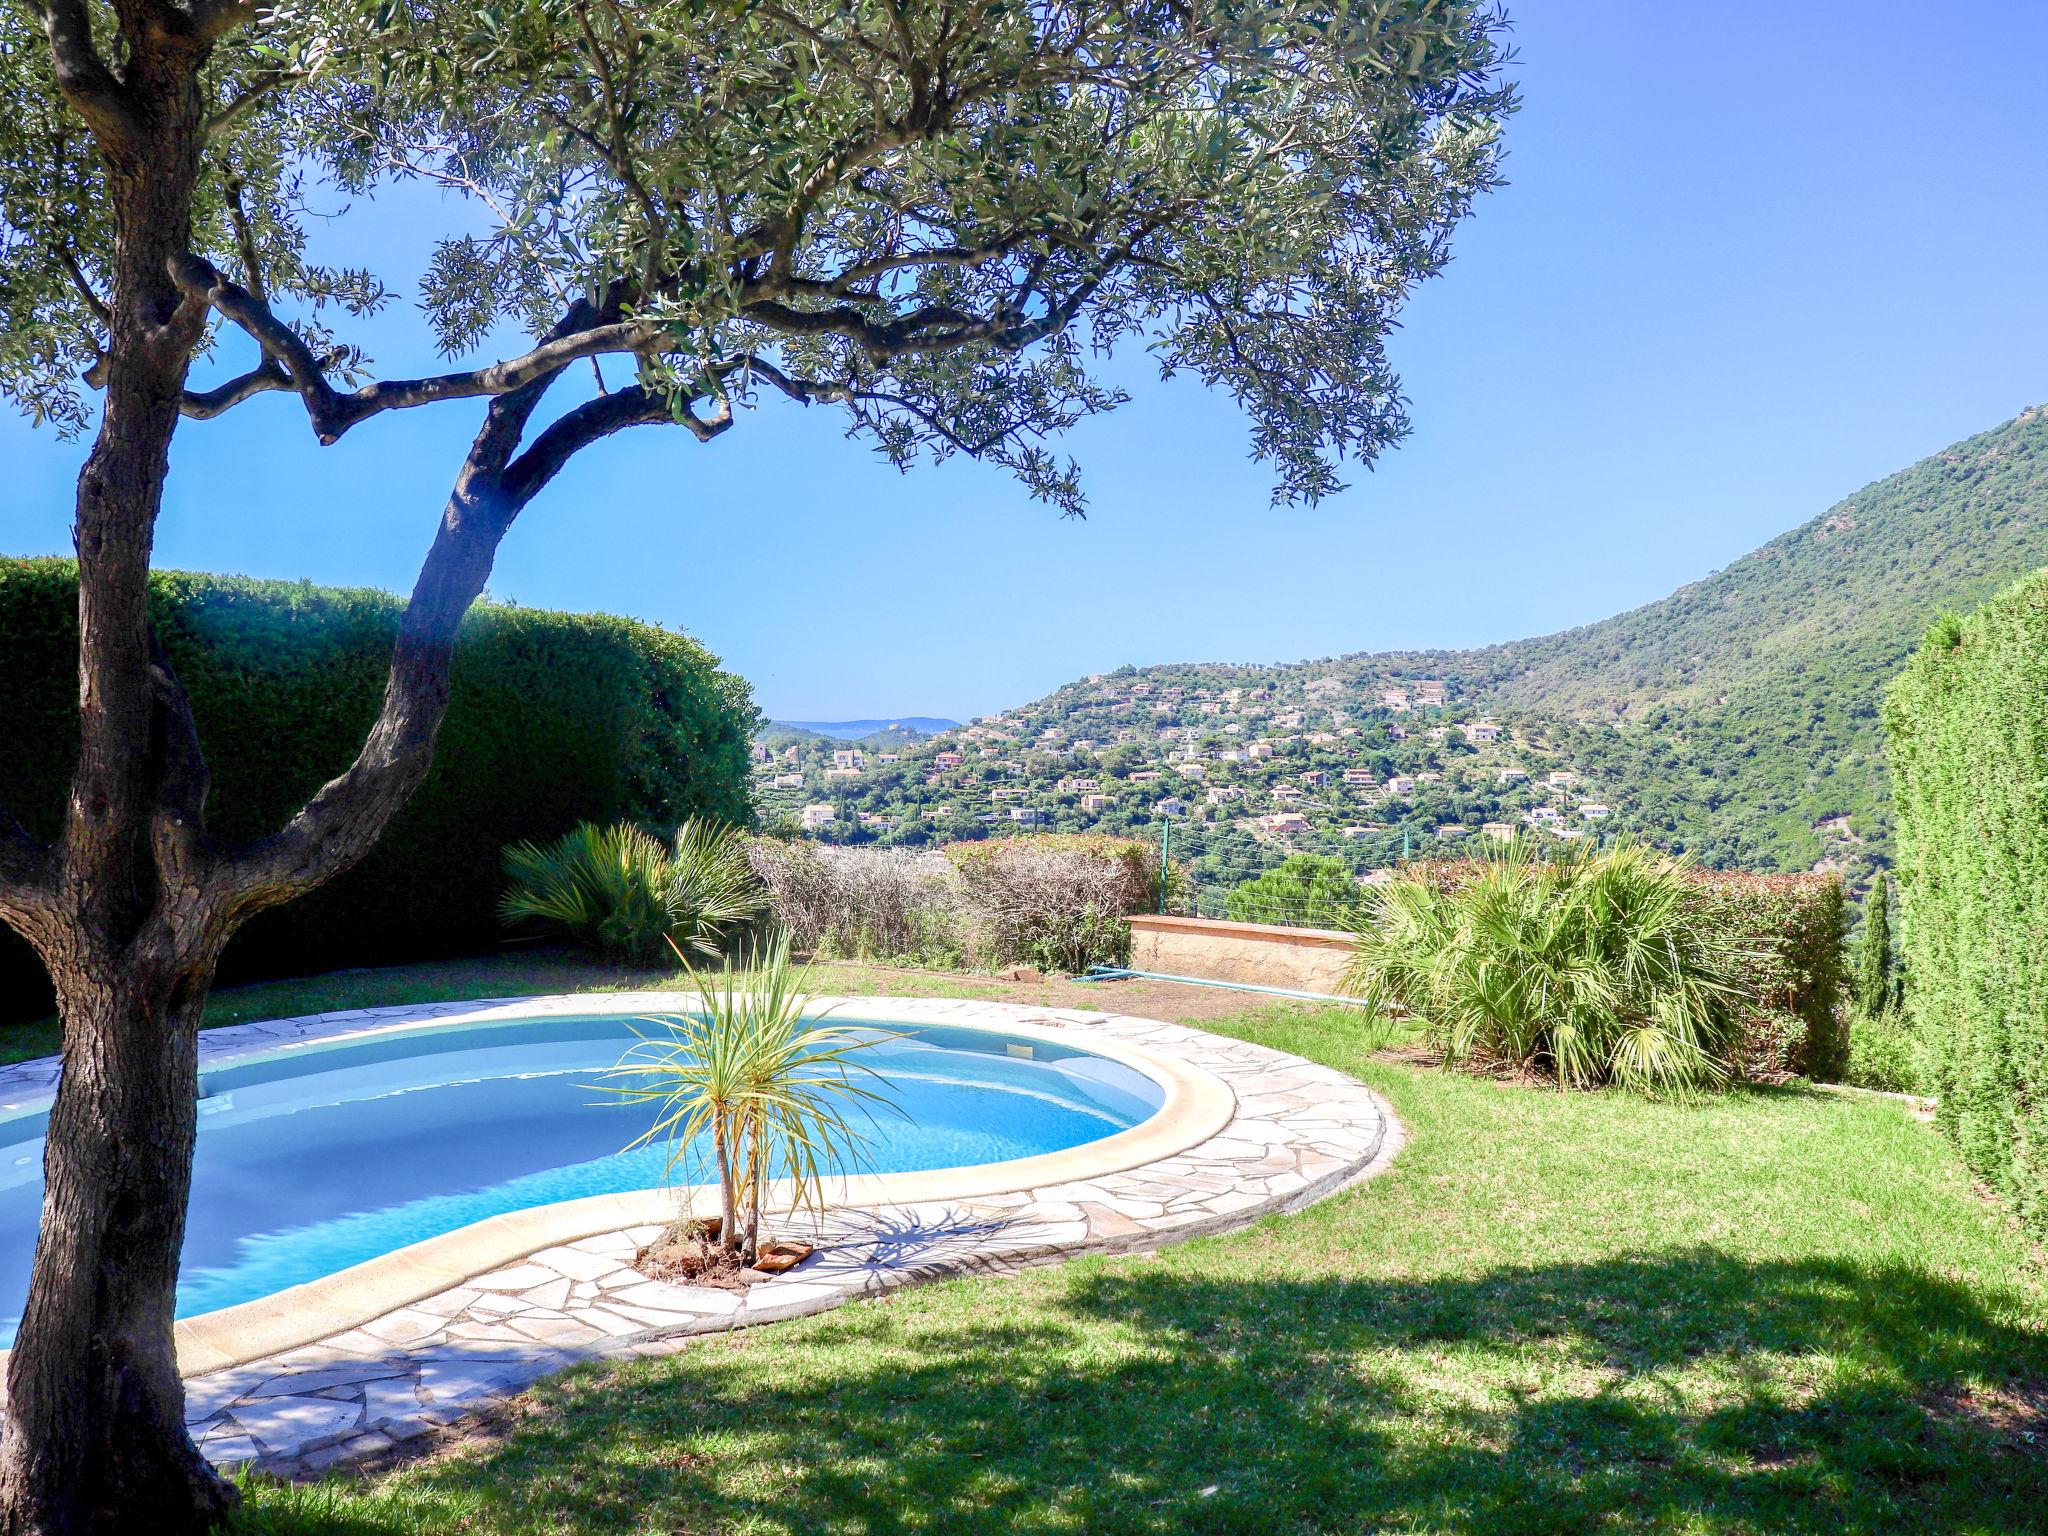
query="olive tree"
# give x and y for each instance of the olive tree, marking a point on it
(932, 216)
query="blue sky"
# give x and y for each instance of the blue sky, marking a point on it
(1753, 257)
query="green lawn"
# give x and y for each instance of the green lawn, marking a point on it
(1777, 1311)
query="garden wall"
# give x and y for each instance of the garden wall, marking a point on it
(1302, 959)
(553, 718)
(1967, 732)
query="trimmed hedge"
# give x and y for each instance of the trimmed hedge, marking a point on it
(553, 719)
(1967, 729)
(1796, 1023)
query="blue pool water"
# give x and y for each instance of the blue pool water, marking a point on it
(314, 1159)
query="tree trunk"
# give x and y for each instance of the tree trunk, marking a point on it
(95, 1438)
(96, 1433)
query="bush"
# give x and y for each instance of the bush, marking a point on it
(1057, 903)
(1884, 1053)
(894, 904)
(1597, 968)
(1789, 1017)
(1306, 890)
(621, 891)
(553, 719)
(1967, 730)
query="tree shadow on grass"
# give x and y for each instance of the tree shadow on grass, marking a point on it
(1676, 1390)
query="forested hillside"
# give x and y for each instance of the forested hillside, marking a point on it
(1736, 719)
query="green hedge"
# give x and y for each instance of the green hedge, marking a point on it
(1967, 728)
(1796, 1023)
(553, 719)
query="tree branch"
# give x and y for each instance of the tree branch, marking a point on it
(24, 867)
(82, 74)
(334, 411)
(205, 404)
(344, 819)
(177, 829)
(576, 430)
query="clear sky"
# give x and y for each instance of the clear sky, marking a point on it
(1754, 256)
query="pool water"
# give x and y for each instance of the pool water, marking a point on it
(315, 1158)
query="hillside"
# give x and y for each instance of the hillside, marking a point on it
(1736, 719)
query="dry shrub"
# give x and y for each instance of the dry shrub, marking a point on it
(867, 903)
(1057, 903)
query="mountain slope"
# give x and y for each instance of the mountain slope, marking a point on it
(1736, 719)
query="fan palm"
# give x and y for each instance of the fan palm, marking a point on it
(623, 892)
(1603, 967)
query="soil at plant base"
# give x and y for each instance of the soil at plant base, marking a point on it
(689, 1253)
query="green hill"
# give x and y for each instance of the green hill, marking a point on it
(1736, 719)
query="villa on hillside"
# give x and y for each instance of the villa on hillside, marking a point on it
(1285, 821)
(816, 816)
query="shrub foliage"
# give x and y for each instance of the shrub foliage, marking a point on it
(623, 892)
(1967, 724)
(1310, 890)
(553, 718)
(1789, 1017)
(1058, 903)
(1599, 968)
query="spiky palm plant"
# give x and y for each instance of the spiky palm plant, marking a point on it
(766, 1085)
(1604, 967)
(623, 892)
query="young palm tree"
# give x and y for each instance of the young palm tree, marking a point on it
(768, 1087)
(623, 892)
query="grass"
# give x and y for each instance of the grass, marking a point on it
(1780, 1310)
(1773, 1311)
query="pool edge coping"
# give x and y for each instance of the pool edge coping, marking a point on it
(1198, 1105)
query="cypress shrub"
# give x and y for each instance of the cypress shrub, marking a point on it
(553, 719)
(1967, 730)
(1874, 952)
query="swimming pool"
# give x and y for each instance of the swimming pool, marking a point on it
(318, 1157)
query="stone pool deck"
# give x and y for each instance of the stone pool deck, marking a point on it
(1289, 1133)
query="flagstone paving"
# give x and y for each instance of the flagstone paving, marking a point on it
(1298, 1132)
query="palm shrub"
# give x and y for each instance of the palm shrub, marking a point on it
(1596, 967)
(765, 1087)
(625, 893)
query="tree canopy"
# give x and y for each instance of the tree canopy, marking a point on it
(934, 216)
